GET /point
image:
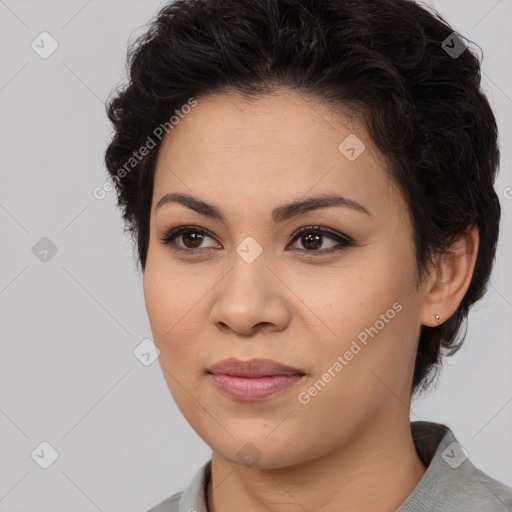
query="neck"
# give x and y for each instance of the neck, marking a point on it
(376, 470)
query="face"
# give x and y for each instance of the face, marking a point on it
(328, 290)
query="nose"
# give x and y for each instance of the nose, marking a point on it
(251, 297)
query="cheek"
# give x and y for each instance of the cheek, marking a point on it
(167, 308)
(366, 315)
(346, 298)
(173, 303)
(159, 302)
(170, 294)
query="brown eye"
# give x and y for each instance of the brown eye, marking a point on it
(191, 238)
(312, 239)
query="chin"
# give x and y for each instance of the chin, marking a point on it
(259, 452)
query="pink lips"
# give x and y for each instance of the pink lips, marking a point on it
(253, 380)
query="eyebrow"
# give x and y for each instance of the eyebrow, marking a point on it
(279, 213)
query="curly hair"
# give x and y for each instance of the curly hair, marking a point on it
(423, 108)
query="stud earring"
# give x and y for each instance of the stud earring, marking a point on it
(437, 319)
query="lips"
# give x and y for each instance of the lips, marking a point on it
(254, 380)
(252, 369)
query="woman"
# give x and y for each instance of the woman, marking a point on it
(310, 185)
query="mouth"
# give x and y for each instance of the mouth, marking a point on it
(252, 368)
(253, 380)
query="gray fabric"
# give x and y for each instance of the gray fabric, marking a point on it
(450, 484)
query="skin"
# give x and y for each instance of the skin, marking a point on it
(350, 447)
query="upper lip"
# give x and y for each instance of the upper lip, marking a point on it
(252, 368)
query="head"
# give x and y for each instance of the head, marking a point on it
(250, 107)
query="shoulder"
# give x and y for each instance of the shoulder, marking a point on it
(192, 498)
(472, 490)
(483, 492)
(452, 483)
(170, 504)
(465, 489)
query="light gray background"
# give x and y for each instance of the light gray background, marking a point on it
(69, 326)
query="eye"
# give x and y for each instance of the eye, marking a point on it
(311, 237)
(191, 237)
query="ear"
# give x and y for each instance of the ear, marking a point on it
(450, 279)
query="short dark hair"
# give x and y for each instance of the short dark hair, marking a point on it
(422, 106)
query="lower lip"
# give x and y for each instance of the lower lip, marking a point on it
(253, 389)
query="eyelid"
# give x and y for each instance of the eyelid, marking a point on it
(323, 231)
(171, 233)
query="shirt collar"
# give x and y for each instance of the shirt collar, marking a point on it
(193, 497)
(446, 461)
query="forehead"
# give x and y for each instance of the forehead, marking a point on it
(268, 149)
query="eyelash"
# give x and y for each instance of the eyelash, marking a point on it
(344, 241)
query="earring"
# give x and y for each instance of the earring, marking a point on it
(437, 319)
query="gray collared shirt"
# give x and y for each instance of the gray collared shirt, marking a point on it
(450, 484)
